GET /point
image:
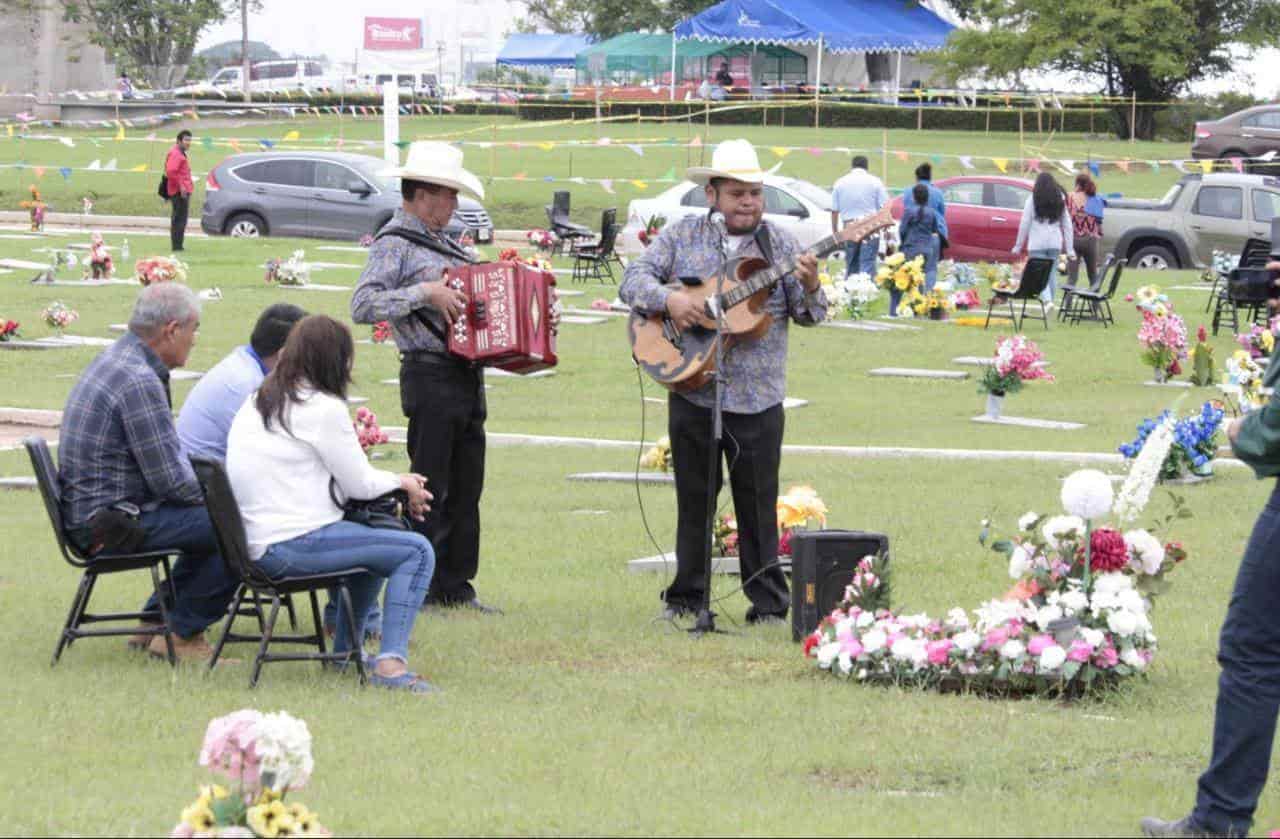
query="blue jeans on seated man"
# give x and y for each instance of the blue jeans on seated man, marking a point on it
(1051, 288)
(203, 582)
(403, 558)
(1244, 725)
(860, 257)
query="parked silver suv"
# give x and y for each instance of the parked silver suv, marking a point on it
(324, 195)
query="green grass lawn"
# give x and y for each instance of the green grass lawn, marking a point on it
(519, 204)
(575, 713)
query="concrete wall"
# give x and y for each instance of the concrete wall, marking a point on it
(40, 55)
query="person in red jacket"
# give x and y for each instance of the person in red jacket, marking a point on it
(178, 172)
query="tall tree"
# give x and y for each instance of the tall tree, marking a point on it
(606, 18)
(1151, 49)
(156, 38)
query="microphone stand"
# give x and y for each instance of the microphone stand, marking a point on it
(705, 623)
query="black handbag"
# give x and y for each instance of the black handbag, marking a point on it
(389, 511)
(163, 189)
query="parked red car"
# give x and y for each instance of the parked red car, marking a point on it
(983, 212)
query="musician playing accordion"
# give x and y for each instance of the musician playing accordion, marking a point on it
(753, 377)
(441, 394)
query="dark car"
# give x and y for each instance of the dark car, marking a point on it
(1253, 132)
(323, 195)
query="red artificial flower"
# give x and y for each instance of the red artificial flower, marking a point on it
(809, 643)
(509, 255)
(784, 543)
(1108, 550)
(1175, 552)
(381, 331)
(1175, 368)
(1202, 335)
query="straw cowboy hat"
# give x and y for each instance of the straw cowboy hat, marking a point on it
(437, 163)
(733, 159)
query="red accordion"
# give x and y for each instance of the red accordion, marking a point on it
(508, 319)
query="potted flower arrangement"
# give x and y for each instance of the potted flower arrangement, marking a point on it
(58, 316)
(1260, 341)
(543, 240)
(1220, 265)
(651, 229)
(35, 208)
(901, 276)
(513, 255)
(293, 271)
(1017, 360)
(1076, 621)
(849, 296)
(965, 299)
(381, 332)
(368, 432)
(998, 276)
(795, 509)
(1163, 338)
(1195, 442)
(933, 305)
(263, 757)
(160, 269)
(1244, 375)
(9, 330)
(658, 458)
(1201, 356)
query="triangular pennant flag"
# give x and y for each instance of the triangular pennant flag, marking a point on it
(780, 151)
(141, 167)
(96, 164)
(1095, 168)
(520, 176)
(696, 141)
(151, 136)
(67, 141)
(9, 129)
(402, 144)
(1206, 166)
(1033, 165)
(1179, 165)
(235, 144)
(341, 142)
(110, 165)
(1269, 156)
(902, 155)
(39, 172)
(966, 161)
(1068, 165)
(935, 159)
(637, 149)
(1122, 165)
(1237, 164)
(65, 172)
(1001, 163)
(543, 146)
(607, 185)
(640, 184)
(290, 137)
(207, 142)
(119, 131)
(266, 144)
(1155, 167)
(669, 175)
(815, 151)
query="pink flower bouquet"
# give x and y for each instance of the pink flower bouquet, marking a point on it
(368, 431)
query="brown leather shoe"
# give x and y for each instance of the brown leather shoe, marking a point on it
(196, 650)
(142, 640)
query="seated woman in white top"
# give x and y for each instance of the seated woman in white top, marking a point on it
(286, 442)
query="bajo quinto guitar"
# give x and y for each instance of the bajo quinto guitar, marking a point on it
(684, 360)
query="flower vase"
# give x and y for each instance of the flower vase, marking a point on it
(937, 314)
(1159, 375)
(1204, 470)
(995, 400)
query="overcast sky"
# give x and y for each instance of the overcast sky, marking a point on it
(334, 28)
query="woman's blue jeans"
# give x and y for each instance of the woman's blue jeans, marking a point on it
(1050, 290)
(403, 558)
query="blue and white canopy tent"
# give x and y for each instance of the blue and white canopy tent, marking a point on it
(527, 49)
(831, 26)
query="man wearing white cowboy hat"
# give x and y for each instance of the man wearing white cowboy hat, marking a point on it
(442, 395)
(753, 376)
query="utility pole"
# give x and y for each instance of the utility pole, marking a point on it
(440, 74)
(245, 64)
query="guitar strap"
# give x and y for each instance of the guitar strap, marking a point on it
(766, 250)
(442, 245)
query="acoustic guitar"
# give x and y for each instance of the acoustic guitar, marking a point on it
(684, 360)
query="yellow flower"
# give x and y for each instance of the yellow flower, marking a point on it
(1159, 310)
(895, 259)
(800, 504)
(824, 278)
(1268, 342)
(270, 820)
(305, 822)
(199, 817)
(213, 793)
(1147, 293)
(902, 281)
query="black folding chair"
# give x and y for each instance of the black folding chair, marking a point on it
(1255, 254)
(1035, 277)
(567, 232)
(47, 480)
(1069, 291)
(254, 583)
(595, 261)
(1096, 305)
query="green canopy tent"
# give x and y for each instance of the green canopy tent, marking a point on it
(642, 57)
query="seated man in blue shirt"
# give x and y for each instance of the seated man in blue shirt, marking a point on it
(118, 445)
(207, 413)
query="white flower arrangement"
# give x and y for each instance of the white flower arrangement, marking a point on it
(850, 296)
(292, 271)
(1135, 492)
(1087, 493)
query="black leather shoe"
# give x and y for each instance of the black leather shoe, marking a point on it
(755, 617)
(674, 612)
(473, 604)
(1152, 826)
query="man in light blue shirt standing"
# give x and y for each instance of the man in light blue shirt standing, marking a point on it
(206, 415)
(855, 196)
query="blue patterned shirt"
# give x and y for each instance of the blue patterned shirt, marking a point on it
(118, 442)
(388, 288)
(754, 376)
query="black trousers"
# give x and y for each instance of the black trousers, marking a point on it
(752, 444)
(446, 408)
(178, 223)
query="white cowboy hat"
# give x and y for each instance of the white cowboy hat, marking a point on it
(437, 163)
(733, 159)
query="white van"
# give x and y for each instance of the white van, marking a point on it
(289, 74)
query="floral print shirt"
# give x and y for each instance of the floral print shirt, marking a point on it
(754, 375)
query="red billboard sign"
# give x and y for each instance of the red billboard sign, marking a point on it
(392, 33)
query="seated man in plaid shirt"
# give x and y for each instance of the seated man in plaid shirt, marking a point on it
(119, 455)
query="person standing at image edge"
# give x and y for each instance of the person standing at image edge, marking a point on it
(177, 171)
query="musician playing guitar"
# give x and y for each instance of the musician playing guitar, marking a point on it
(442, 395)
(753, 375)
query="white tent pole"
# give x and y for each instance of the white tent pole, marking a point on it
(897, 80)
(817, 87)
(673, 66)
